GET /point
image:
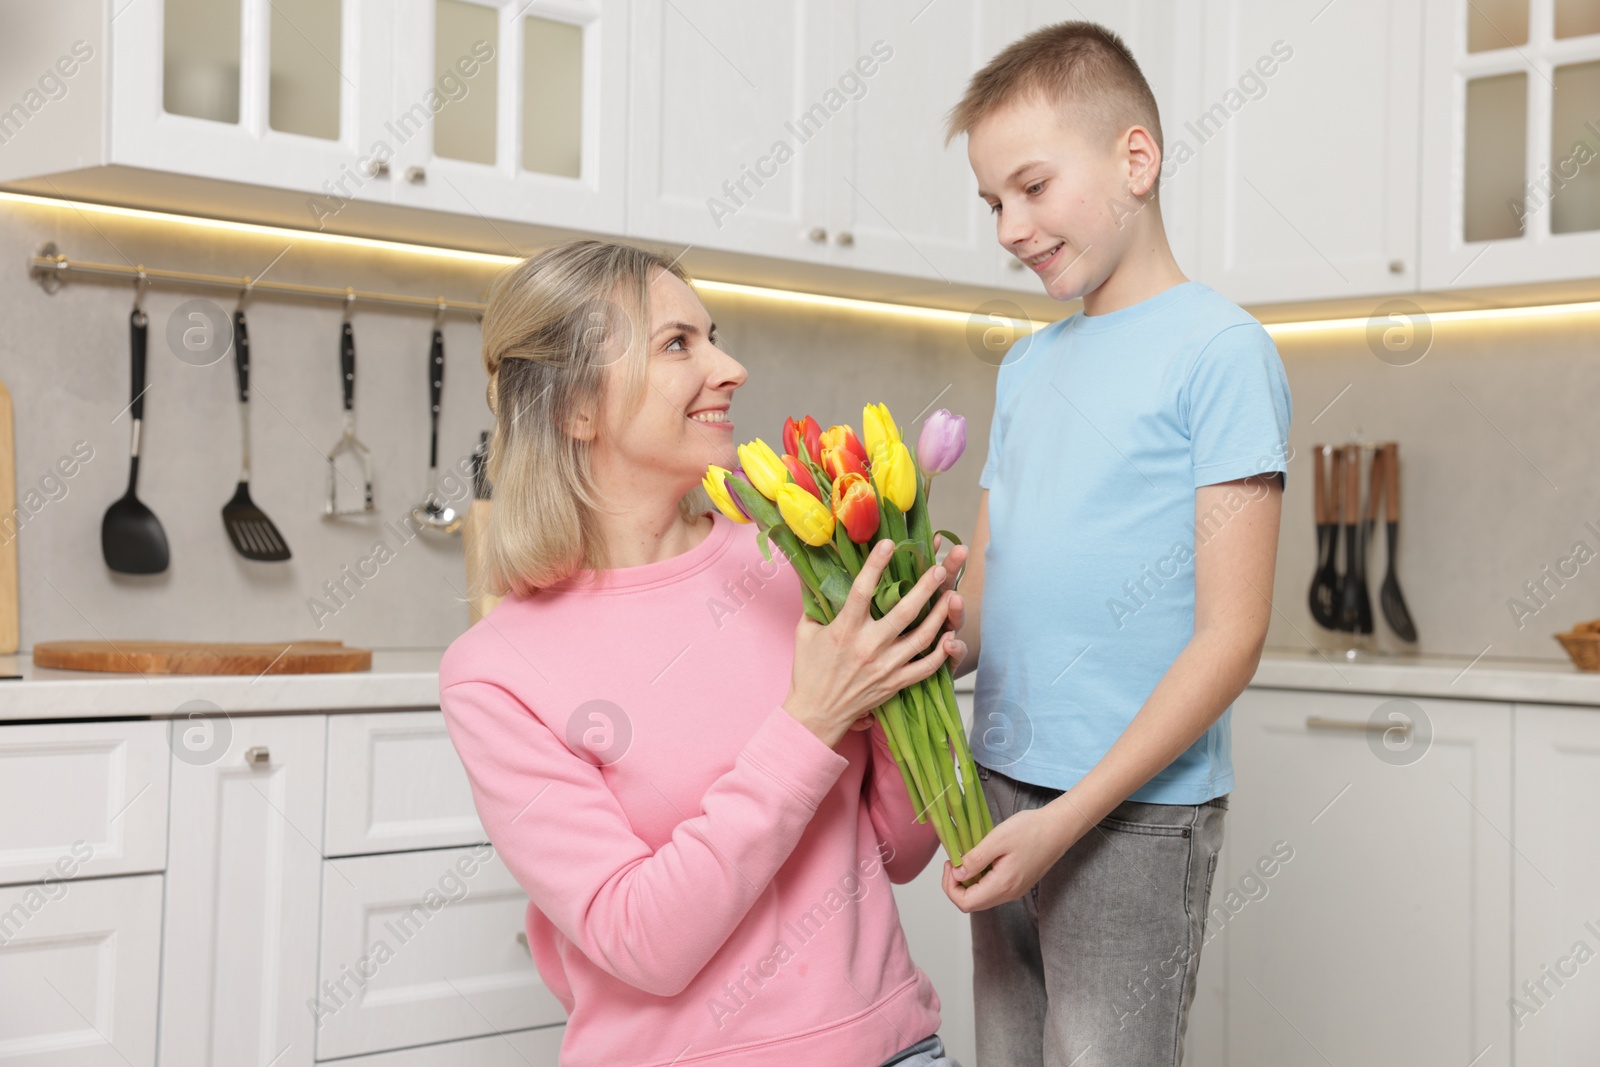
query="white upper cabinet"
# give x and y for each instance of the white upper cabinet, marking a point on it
(1305, 137)
(1511, 160)
(735, 125)
(903, 202)
(512, 109)
(286, 93)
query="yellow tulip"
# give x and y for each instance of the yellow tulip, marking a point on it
(716, 484)
(878, 427)
(763, 467)
(894, 473)
(807, 516)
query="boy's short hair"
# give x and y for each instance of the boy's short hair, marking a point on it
(1074, 61)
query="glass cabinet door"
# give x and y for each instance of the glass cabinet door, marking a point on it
(1511, 152)
(520, 106)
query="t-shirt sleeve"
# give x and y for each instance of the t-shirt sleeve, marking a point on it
(1236, 407)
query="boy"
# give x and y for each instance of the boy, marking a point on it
(1122, 572)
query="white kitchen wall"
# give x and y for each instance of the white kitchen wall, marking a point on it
(1499, 480)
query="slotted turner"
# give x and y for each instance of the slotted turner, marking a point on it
(347, 443)
(251, 532)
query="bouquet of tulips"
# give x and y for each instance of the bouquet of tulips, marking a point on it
(823, 501)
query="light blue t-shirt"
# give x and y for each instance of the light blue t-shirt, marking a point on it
(1104, 426)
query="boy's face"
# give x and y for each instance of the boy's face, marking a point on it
(1061, 191)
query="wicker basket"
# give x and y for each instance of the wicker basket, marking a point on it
(1582, 643)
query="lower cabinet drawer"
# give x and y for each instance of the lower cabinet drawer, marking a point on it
(83, 798)
(523, 1048)
(421, 947)
(80, 963)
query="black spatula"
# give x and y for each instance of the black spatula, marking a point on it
(131, 537)
(1325, 512)
(251, 532)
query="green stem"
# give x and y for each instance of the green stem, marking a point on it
(899, 731)
(937, 771)
(940, 734)
(790, 544)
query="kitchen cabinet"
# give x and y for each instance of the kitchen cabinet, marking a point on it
(1555, 999)
(532, 123)
(94, 797)
(1511, 143)
(396, 785)
(78, 970)
(492, 109)
(1304, 138)
(424, 947)
(1365, 898)
(240, 942)
(733, 132)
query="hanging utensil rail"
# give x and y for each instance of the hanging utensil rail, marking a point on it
(52, 269)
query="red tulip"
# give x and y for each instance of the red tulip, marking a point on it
(837, 462)
(806, 429)
(855, 506)
(802, 476)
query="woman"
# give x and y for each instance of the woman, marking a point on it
(689, 785)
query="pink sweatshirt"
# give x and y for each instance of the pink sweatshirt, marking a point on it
(708, 882)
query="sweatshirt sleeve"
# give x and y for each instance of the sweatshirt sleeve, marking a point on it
(893, 815)
(651, 918)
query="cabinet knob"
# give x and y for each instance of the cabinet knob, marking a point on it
(818, 234)
(845, 239)
(377, 168)
(1397, 266)
(257, 756)
(522, 939)
(416, 175)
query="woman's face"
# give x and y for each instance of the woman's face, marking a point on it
(682, 424)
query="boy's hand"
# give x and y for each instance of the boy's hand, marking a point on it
(957, 612)
(1017, 852)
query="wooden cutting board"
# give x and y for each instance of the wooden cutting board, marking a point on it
(202, 657)
(8, 527)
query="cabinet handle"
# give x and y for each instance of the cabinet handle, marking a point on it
(818, 234)
(416, 175)
(522, 939)
(1397, 266)
(846, 239)
(1317, 722)
(377, 169)
(257, 756)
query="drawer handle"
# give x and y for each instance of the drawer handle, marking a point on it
(1316, 722)
(257, 756)
(522, 939)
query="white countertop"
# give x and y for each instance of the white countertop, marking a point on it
(409, 678)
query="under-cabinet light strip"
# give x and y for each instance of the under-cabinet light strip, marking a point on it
(1276, 329)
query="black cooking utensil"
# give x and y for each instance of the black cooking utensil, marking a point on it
(1394, 605)
(1354, 604)
(131, 537)
(251, 532)
(1369, 523)
(1325, 574)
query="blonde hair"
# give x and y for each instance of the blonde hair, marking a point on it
(1077, 61)
(554, 325)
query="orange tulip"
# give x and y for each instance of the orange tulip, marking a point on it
(855, 506)
(839, 461)
(844, 437)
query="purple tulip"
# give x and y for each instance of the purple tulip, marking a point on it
(943, 439)
(738, 472)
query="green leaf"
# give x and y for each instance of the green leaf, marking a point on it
(836, 587)
(917, 524)
(954, 541)
(760, 508)
(888, 595)
(915, 548)
(762, 543)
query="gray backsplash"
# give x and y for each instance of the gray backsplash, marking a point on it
(1498, 478)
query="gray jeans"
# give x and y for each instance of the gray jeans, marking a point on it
(1095, 966)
